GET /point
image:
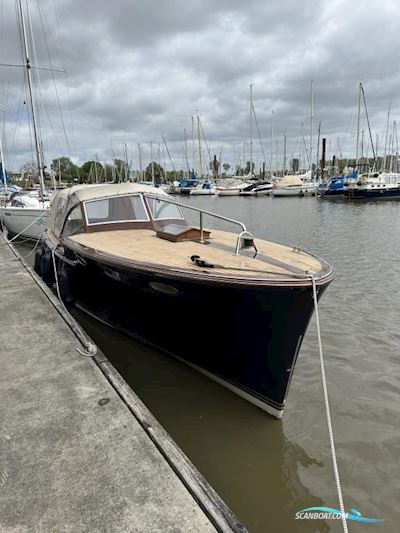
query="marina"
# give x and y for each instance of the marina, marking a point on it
(199, 314)
(285, 466)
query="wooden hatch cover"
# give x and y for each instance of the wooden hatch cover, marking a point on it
(176, 233)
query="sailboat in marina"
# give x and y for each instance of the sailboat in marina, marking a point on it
(200, 184)
(26, 212)
(372, 185)
(299, 184)
(236, 185)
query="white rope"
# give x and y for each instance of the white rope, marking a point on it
(90, 348)
(328, 411)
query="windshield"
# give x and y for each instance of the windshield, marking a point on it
(161, 209)
(116, 209)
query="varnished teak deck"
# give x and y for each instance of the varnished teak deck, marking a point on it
(273, 260)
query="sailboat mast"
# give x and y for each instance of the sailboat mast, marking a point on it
(318, 141)
(199, 140)
(186, 153)
(311, 125)
(3, 171)
(140, 162)
(272, 140)
(59, 171)
(251, 131)
(152, 162)
(284, 153)
(358, 123)
(31, 99)
(386, 136)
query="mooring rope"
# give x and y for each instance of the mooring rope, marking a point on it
(328, 411)
(90, 348)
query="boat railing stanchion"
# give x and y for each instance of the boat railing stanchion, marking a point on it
(201, 228)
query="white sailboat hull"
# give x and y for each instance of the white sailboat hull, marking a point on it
(202, 192)
(300, 190)
(17, 220)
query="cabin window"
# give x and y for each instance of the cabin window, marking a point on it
(116, 209)
(74, 223)
(161, 209)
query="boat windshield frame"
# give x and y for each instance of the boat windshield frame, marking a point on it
(162, 198)
(121, 221)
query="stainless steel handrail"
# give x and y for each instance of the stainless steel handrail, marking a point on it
(202, 212)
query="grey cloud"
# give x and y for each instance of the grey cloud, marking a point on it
(139, 69)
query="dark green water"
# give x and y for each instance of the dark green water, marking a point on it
(266, 469)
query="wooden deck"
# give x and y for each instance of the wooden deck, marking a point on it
(274, 260)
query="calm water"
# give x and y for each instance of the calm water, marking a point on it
(266, 469)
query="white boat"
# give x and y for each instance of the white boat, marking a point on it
(205, 188)
(257, 189)
(25, 213)
(29, 222)
(170, 188)
(294, 186)
(231, 187)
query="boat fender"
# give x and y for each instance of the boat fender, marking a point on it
(46, 268)
(65, 286)
(38, 257)
(201, 262)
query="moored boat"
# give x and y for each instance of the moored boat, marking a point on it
(231, 187)
(25, 214)
(335, 186)
(126, 254)
(186, 185)
(259, 188)
(294, 186)
(205, 188)
(374, 186)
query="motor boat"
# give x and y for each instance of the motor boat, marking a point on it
(127, 254)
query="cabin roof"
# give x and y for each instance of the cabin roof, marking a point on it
(66, 199)
(102, 190)
(290, 180)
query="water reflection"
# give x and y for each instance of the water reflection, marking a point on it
(242, 452)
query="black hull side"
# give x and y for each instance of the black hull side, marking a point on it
(247, 337)
(377, 194)
(331, 193)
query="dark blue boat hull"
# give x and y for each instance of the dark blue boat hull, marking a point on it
(246, 337)
(372, 194)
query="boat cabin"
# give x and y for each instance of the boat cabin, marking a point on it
(95, 208)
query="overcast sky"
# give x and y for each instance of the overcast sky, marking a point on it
(138, 70)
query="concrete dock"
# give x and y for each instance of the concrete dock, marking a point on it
(78, 450)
